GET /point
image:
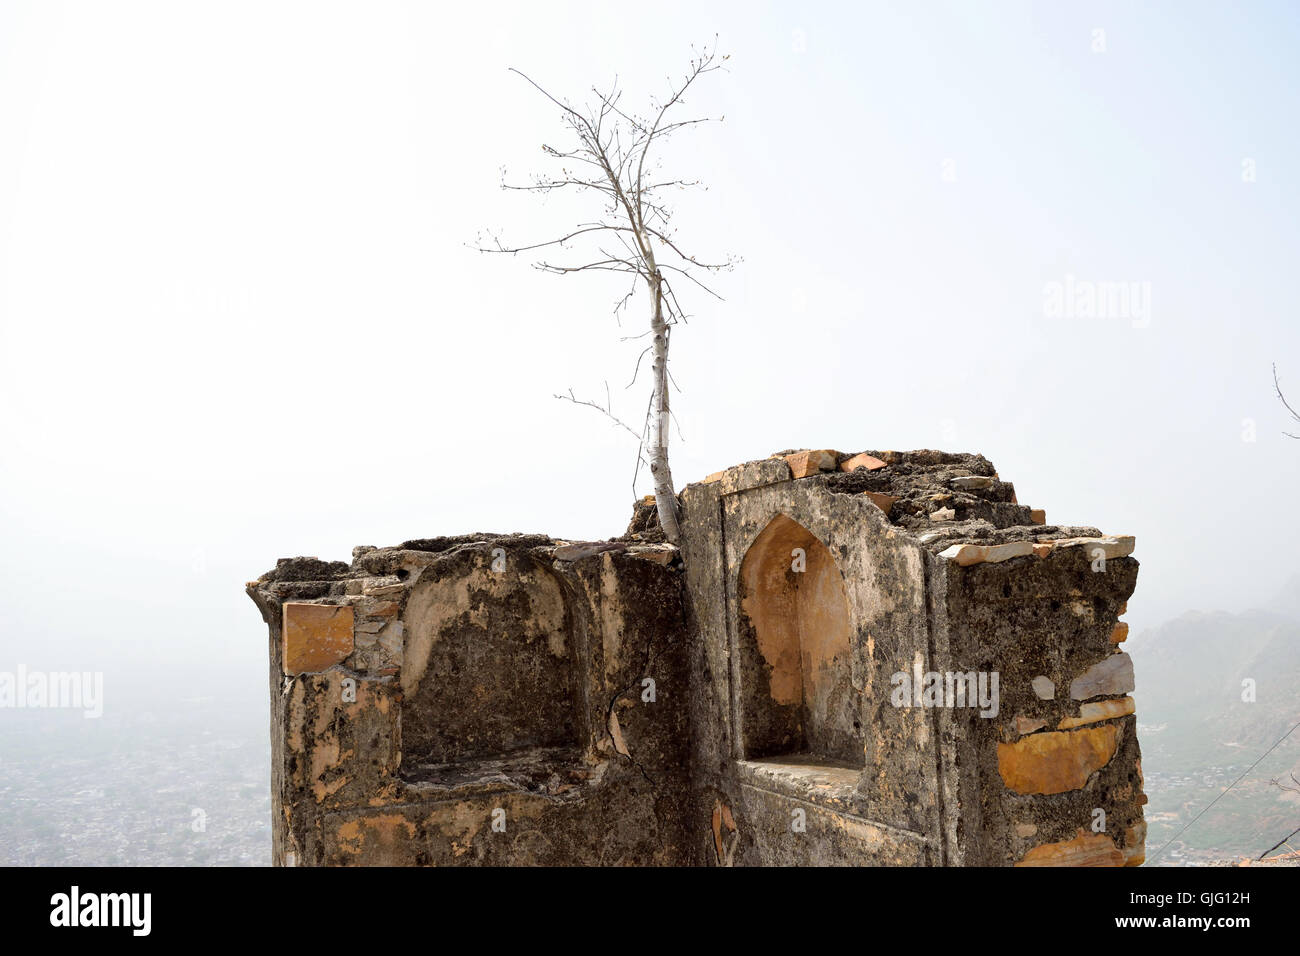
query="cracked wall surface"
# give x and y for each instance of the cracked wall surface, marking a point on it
(518, 699)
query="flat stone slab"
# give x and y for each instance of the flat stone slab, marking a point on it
(1097, 711)
(578, 550)
(1112, 546)
(968, 554)
(1111, 678)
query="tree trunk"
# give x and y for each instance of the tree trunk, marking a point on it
(665, 496)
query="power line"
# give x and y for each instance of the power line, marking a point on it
(1226, 792)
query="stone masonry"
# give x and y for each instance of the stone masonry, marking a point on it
(870, 659)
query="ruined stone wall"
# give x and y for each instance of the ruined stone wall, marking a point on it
(887, 813)
(1058, 772)
(477, 700)
(806, 682)
(947, 576)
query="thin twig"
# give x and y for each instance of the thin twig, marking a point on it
(600, 408)
(1285, 403)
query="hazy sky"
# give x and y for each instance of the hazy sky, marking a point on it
(239, 320)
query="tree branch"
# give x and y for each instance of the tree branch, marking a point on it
(603, 409)
(1285, 404)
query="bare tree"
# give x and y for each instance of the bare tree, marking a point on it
(1285, 404)
(612, 156)
(1282, 786)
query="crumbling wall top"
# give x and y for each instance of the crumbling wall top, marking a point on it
(945, 500)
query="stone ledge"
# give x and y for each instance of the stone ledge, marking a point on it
(965, 554)
(750, 475)
(1112, 546)
(968, 554)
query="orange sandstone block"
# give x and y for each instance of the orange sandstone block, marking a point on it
(1058, 761)
(862, 461)
(805, 463)
(315, 637)
(882, 501)
(1038, 516)
(1120, 634)
(1086, 849)
(384, 608)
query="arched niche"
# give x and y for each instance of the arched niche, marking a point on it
(796, 687)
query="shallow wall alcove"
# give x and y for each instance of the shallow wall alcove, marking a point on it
(489, 664)
(797, 694)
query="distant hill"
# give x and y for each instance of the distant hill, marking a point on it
(1287, 602)
(1190, 672)
(1198, 735)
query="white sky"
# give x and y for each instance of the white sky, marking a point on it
(239, 320)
